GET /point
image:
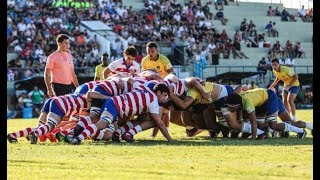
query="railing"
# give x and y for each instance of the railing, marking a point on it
(295, 4)
(214, 70)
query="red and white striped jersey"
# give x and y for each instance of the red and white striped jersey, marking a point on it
(111, 87)
(179, 87)
(91, 84)
(71, 104)
(141, 83)
(120, 67)
(136, 102)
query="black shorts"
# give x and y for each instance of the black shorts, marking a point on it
(62, 89)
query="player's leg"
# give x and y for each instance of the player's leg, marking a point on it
(144, 125)
(211, 121)
(104, 134)
(108, 116)
(285, 100)
(94, 115)
(293, 91)
(12, 137)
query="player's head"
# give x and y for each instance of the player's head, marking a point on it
(63, 42)
(162, 92)
(104, 58)
(275, 64)
(233, 101)
(237, 88)
(245, 87)
(152, 50)
(130, 54)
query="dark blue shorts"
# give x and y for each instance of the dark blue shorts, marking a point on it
(46, 106)
(293, 90)
(271, 106)
(229, 89)
(101, 91)
(82, 89)
(111, 108)
(272, 102)
(54, 107)
(281, 106)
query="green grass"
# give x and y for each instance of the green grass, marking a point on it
(146, 158)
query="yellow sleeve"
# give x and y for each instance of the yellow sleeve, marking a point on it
(96, 72)
(143, 63)
(247, 105)
(194, 94)
(290, 72)
(167, 63)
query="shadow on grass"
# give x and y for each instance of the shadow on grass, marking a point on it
(198, 141)
(213, 142)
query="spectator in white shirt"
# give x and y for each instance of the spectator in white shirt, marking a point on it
(302, 13)
(210, 48)
(200, 14)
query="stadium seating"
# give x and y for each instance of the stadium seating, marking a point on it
(294, 31)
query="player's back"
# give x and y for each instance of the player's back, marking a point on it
(71, 104)
(256, 97)
(135, 102)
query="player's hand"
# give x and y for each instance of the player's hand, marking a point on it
(202, 82)
(171, 90)
(120, 84)
(50, 93)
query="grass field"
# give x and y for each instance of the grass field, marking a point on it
(146, 158)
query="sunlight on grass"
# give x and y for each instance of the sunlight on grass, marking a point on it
(147, 158)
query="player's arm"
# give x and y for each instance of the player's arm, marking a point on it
(106, 73)
(96, 75)
(193, 82)
(95, 95)
(183, 104)
(47, 79)
(168, 66)
(275, 82)
(170, 70)
(161, 126)
(74, 79)
(253, 122)
(201, 81)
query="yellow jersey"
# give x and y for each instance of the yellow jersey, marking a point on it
(253, 98)
(99, 71)
(286, 75)
(196, 95)
(162, 64)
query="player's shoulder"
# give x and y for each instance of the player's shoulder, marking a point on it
(144, 59)
(163, 57)
(54, 54)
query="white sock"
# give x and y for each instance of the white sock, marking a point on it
(135, 130)
(128, 125)
(289, 127)
(100, 136)
(293, 118)
(309, 126)
(189, 127)
(87, 119)
(247, 128)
